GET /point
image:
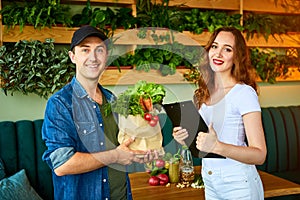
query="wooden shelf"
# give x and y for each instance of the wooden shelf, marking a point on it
(131, 76)
(246, 5)
(63, 35)
(209, 4)
(118, 2)
(266, 6)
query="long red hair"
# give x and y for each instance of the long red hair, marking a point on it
(242, 71)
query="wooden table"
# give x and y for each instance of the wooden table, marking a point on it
(273, 186)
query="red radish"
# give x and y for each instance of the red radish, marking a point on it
(153, 122)
(164, 179)
(160, 163)
(162, 182)
(153, 181)
(155, 118)
(148, 116)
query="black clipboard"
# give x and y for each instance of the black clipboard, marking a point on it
(186, 115)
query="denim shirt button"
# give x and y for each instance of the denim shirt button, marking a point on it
(104, 180)
(84, 131)
(94, 106)
(106, 198)
(100, 124)
(101, 143)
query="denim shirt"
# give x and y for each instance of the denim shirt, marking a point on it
(73, 123)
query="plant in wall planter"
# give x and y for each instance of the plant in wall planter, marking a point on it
(34, 67)
(107, 20)
(120, 62)
(153, 14)
(166, 58)
(40, 14)
(263, 25)
(197, 21)
(268, 64)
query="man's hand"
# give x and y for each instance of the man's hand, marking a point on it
(126, 156)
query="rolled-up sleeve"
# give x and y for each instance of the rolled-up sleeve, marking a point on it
(61, 155)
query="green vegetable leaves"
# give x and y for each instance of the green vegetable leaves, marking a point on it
(128, 103)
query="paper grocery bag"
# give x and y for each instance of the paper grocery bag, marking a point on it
(146, 137)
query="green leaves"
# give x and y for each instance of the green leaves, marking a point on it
(128, 103)
(34, 67)
(197, 21)
(39, 14)
(107, 20)
(166, 58)
(269, 65)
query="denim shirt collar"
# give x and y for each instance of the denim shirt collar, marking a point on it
(80, 92)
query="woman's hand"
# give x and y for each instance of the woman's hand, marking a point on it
(180, 135)
(207, 141)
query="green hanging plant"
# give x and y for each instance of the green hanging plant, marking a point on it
(261, 24)
(34, 67)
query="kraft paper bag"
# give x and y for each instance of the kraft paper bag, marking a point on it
(146, 137)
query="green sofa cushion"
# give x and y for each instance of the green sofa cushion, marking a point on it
(2, 171)
(17, 187)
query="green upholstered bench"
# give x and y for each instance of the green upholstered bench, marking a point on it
(21, 147)
(282, 132)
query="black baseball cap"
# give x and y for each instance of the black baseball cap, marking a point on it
(84, 32)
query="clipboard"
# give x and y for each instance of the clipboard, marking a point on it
(186, 115)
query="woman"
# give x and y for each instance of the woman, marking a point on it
(227, 100)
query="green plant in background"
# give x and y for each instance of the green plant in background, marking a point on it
(34, 67)
(158, 15)
(289, 5)
(125, 19)
(151, 14)
(268, 64)
(107, 20)
(263, 25)
(166, 58)
(119, 61)
(84, 17)
(40, 14)
(196, 21)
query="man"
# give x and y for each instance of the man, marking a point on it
(83, 152)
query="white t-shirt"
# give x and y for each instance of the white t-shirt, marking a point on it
(226, 116)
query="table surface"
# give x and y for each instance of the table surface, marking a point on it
(273, 186)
